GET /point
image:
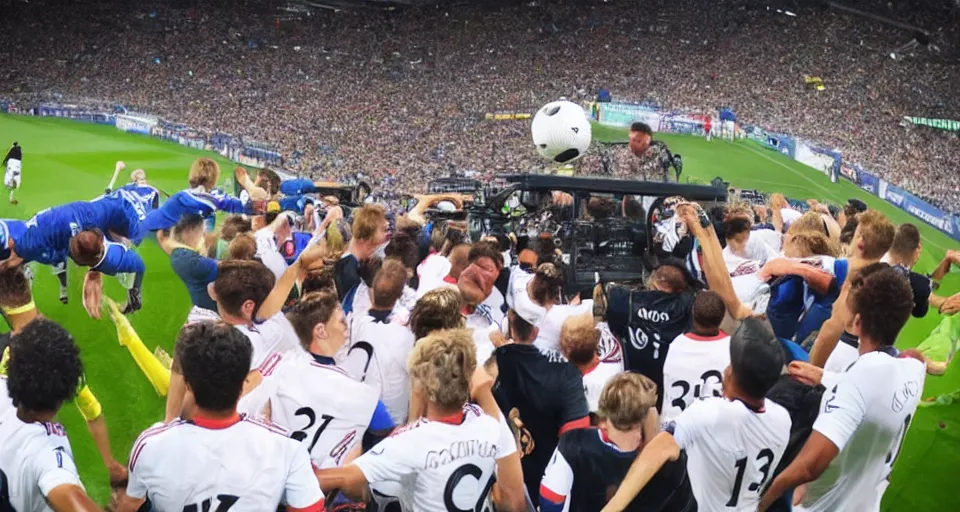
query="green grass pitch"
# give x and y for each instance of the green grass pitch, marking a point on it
(68, 161)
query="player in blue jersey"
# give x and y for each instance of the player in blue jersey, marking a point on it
(201, 198)
(96, 234)
(138, 189)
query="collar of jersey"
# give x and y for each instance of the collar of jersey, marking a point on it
(382, 316)
(612, 446)
(449, 279)
(323, 359)
(212, 424)
(696, 337)
(454, 419)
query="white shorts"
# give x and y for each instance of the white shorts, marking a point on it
(12, 177)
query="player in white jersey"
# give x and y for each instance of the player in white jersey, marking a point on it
(380, 347)
(579, 338)
(12, 162)
(319, 403)
(865, 417)
(218, 459)
(446, 460)
(250, 299)
(694, 366)
(733, 443)
(37, 471)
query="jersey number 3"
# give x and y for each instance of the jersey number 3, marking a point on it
(767, 455)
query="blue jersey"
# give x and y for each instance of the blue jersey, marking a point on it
(10, 230)
(47, 237)
(294, 203)
(119, 259)
(145, 195)
(185, 202)
(297, 187)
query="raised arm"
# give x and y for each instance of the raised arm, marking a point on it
(281, 291)
(713, 265)
(256, 192)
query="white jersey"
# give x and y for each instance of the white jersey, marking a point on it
(841, 358)
(239, 464)
(319, 404)
(378, 356)
(11, 178)
(6, 403)
(548, 337)
(35, 458)
(431, 272)
(693, 369)
(274, 335)
(732, 451)
(519, 300)
(596, 378)
(866, 415)
(438, 461)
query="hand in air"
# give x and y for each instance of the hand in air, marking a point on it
(951, 306)
(120, 166)
(480, 383)
(93, 293)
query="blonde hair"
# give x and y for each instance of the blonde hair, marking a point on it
(436, 310)
(442, 365)
(812, 243)
(626, 400)
(367, 221)
(579, 338)
(877, 233)
(204, 172)
(810, 221)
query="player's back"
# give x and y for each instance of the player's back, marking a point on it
(693, 369)
(239, 463)
(319, 404)
(35, 458)
(180, 204)
(732, 451)
(378, 356)
(884, 391)
(443, 465)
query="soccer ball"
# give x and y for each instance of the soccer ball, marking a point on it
(561, 131)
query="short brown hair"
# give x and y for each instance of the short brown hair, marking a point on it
(14, 288)
(388, 284)
(547, 284)
(319, 280)
(883, 298)
(579, 338)
(242, 247)
(486, 250)
(367, 221)
(814, 243)
(708, 310)
(312, 309)
(234, 225)
(671, 276)
(443, 364)
(204, 172)
(906, 241)
(239, 281)
(404, 248)
(86, 247)
(272, 185)
(626, 400)
(437, 310)
(877, 233)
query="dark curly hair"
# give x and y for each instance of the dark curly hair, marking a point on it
(214, 359)
(44, 370)
(882, 297)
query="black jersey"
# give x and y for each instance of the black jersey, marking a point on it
(597, 469)
(646, 322)
(15, 153)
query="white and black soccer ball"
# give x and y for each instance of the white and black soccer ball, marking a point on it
(561, 131)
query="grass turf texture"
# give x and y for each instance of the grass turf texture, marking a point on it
(67, 161)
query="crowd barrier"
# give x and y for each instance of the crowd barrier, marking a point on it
(826, 160)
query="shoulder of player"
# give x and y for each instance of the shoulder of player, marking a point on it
(54, 429)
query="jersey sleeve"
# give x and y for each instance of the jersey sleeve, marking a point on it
(556, 484)
(118, 259)
(53, 468)
(572, 400)
(695, 421)
(227, 203)
(387, 461)
(302, 489)
(381, 420)
(618, 314)
(843, 409)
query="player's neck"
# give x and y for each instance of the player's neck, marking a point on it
(900, 260)
(436, 413)
(20, 320)
(867, 345)
(233, 320)
(361, 250)
(624, 442)
(706, 332)
(27, 416)
(211, 414)
(589, 367)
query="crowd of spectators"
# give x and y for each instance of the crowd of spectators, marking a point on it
(406, 90)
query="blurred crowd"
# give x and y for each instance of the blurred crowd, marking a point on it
(407, 90)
